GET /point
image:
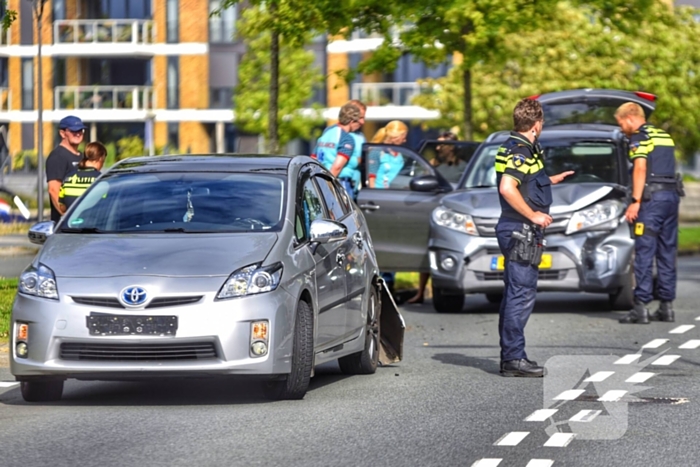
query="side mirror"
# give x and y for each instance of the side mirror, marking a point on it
(38, 233)
(425, 183)
(323, 231)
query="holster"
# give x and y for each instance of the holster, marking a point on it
(527, 248)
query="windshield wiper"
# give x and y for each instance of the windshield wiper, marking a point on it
(81, 230)
(183, 230)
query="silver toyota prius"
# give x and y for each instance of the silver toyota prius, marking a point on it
(258, 266)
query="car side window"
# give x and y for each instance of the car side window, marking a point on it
(334, 204)
(311, 209)
(392, 168)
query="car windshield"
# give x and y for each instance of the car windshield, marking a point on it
(590, 161)
(180, 202)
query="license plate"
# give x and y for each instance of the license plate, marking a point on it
(498, 262)
(102, 324)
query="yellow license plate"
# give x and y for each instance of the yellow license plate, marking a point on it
(498, 262)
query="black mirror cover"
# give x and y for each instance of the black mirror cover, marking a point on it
(425, 183)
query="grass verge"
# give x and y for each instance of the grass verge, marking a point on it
(14, 228)
(8, 288)
(689, 240)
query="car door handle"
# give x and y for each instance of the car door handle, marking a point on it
(340, 258)
(357, 238)
(369, 206)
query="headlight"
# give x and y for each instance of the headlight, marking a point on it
(454, 220)
(40, 282)
(600, 216)
(251, 280)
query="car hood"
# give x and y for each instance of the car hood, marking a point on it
(567, 198)
(190, 255)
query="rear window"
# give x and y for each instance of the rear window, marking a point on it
(580, 112)
(180, 202)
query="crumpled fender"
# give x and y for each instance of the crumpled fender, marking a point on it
(392, 327)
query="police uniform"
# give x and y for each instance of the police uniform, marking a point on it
(336, 142)
(75, 185)
(521, 160)
(656, 227)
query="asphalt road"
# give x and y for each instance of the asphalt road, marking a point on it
(444, 405)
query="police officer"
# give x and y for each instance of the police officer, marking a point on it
(336, 146)
(525, 195)
(656, 192)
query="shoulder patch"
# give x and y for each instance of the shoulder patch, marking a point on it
(634, 145)
(518, 160)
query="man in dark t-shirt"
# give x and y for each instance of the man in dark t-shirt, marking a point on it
(63, 160)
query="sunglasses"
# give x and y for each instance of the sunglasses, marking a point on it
(78, 132)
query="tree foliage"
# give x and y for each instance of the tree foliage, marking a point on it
(298, 80)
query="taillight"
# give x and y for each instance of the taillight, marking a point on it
(535, 97)
(646, 95)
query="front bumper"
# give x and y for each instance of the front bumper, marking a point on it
(582, 262)
(222, 327)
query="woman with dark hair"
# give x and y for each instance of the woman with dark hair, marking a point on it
(88, 170)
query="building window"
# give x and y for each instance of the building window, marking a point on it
(173, 138)
(173, 83)
(172, 18)
(221, 98)
(27, 84)
(222, 27)
(59, 10)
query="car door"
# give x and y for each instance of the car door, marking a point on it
(330, 274)
(449, 157)
(397, 205)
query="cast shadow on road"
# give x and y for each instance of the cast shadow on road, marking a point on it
(485, 364)
(170, 392)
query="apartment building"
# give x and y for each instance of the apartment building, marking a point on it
(163, 70)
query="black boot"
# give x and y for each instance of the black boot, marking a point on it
(639, 314)
(664, 313)
(522, 368)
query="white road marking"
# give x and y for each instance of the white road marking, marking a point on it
(541, 415)
(612, 396)
(627, 359)
(512, 439)
(655, 344)
(681, 329)
(639, 377)
(540, 463)
(585, 416)
(599, 376)
(7, 384)
(487, 463)
(691, 344)
(569, 395)
(559, 440)
(666, 360)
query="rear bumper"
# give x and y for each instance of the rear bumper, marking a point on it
(595, 262)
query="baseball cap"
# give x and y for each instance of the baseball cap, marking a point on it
(72, 123)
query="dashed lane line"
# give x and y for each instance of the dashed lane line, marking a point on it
(627, 359)
(655, 344)
(585, 416)
(487, 463)
(666, 360)
(559, 440)
(691, 344)
(681, 329)
(512, 439)
(639, 377)
(599, 377)
(540, 463)
(541, 415)
(612, 396)
(569, 395)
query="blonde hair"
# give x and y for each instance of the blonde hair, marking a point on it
(392, 129)
(629, 109)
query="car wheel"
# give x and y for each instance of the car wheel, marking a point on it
(365, 362)
(444, 302)
(623, 299)
(295, 384)
(494, 297)
(41, 391)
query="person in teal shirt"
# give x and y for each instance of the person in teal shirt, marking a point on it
(385, 164)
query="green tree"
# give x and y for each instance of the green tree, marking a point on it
(298, 78)
(478, 31)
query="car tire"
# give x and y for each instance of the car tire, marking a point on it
(294, 385)
(366, 362)
(623, 299)
(41, 391)
(495, 298)
(444, 302)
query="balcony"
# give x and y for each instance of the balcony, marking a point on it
(105, 103)
(73, 37)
